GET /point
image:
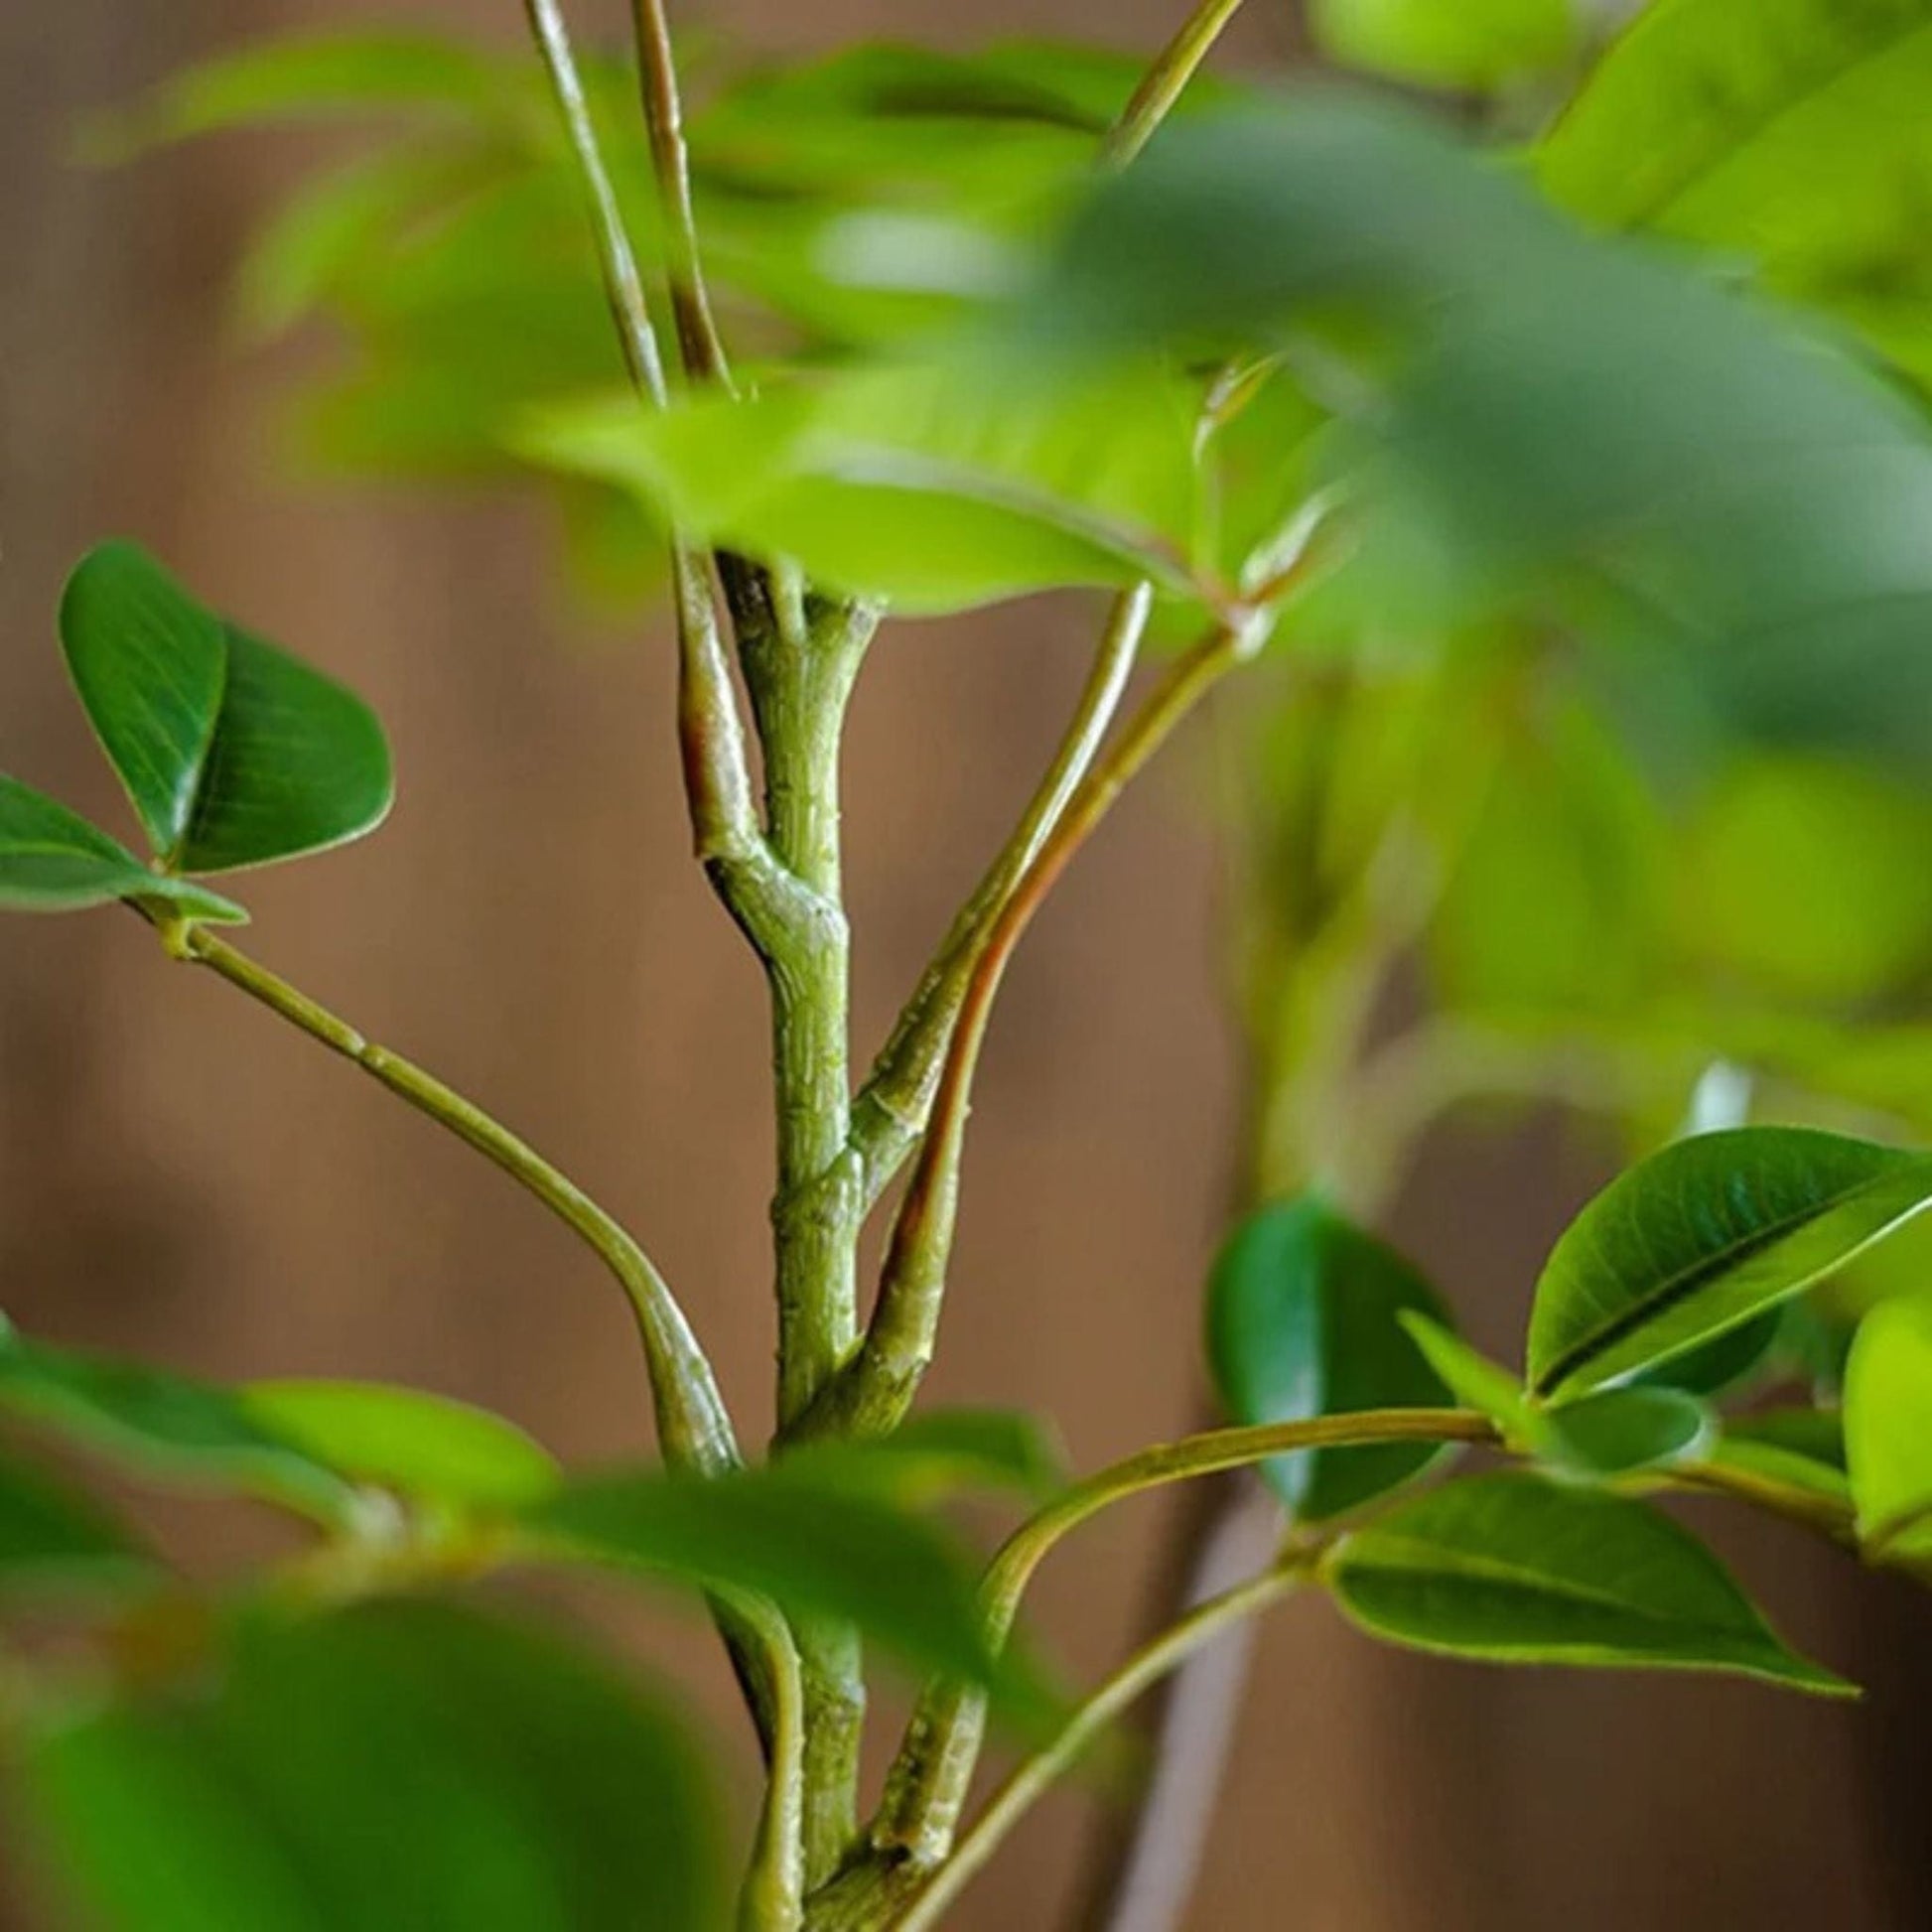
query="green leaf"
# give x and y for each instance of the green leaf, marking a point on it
(53, 1542)
(1517, 1568)
(1788, 130)
(1305, 1317)
(1802, 1447)
(1618, 1431)
(914, 485)
(937, 1453)
(232, 752)
(52, 861)
(834, 1546)
(1702, 1237)
(1889, 1428)
(402, 1766)
(1475, 44)
(1547, 416)
(1474, 1380)
(419, 1445)
(302, 77)
(159, 1423)
(1729, 1362)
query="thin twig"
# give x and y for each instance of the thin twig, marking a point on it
(1034, 1778)
(877, 1385)
(894, 1104)
(1165, 81)
(700, 346)
(693, 1426)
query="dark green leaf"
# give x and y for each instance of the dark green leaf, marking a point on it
(53, 1541)
(165, 1425)
(1731, 1362)
(1704, 1236)
(1305, 1319)
(1889, 1427)
(53, 861)
(1475, 44)
(416, 1444)
(396, 1767)
(835, 1548)
(1517, 1568)
(1617, 1430)
(233, 753)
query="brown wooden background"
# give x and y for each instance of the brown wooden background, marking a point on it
(180, 1177)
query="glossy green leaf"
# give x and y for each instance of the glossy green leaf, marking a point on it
(416, 1444)
(1889, 1427)
(1305, 1319)
(918, 486)
(1728, 1362)
(1518, 1569)
(52, 861)
(55, 1543)
(232, 752)
(170, 1426)
(402, 1766)
(1617, 1430)
(1704, 1236)
(1475, 44)
(836, 1548)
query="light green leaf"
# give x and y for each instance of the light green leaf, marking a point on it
(937, 1453)
(232, 752)
(1889, 1428)
(1548, 416)
(1517, 1568)
(1790, 131)
(160, 1424)
(52, 861)
(1702, 1236)
(1618, 1431)
(402, 1766)
(834, 1548)
(1305, 1317)
(1729, 1362)
(54, 1543)
(1475, 1381)
(305, 76)
(419, 1445)
(1801, 1447)
(1474, 44)
(919, 485)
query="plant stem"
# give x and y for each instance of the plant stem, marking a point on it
(876, 1389)
(928, 1782)
(773, 1895)
(896, 1101)
(693, 1426)
(624, 287)
(700, 346)
(1030, 1781)
(1166, 79)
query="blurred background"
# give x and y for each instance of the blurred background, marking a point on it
(182, 1179)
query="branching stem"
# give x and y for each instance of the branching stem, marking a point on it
(693, 1428)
